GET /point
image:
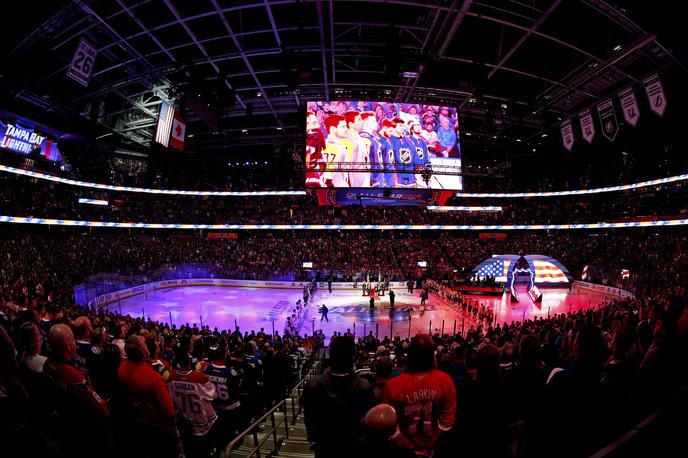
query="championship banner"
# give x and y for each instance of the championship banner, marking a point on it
(81, 67)
(629, 105)
(567, 134)
(610, 126)
(587, 126)
(655, 94)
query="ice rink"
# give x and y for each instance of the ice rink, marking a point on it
(255, 308)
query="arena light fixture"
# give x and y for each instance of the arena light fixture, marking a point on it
(93, 201)
(343, 227)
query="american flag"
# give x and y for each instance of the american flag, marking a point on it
(497, 268)
(165, 119)
(546, 272)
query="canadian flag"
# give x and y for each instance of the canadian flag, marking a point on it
(625, 273)
(585, 273)
(178, 132)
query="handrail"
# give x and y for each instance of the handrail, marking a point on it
(637, 429)
(253, 428)
(295, 412)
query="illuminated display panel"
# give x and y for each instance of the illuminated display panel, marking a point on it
(360, 144)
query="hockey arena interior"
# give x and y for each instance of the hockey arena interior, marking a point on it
(343, 228)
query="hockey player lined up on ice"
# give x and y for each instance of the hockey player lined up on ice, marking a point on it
(335, 153)
(359, 175)
(370, 145)
(315, 143)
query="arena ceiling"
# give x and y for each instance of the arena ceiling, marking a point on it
(513, 67)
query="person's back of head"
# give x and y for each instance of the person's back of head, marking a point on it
(529, 351)
(220, 355)
(342, 354)
(380, 422)
(182, 360)
(152, 345)
(384, 367)
(591, 350)
(29, 339)
(82, 328)
(488, 363)
(421, 354)
(135, 348)
(62, 342)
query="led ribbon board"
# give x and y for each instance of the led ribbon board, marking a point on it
(85, 184)
(344, 227)
(625, 187)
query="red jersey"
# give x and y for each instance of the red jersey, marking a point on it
(193, 394)
(145, 391)
(76, 383)
(426, 406)
(315, 163)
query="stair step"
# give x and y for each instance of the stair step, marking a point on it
(297, 446)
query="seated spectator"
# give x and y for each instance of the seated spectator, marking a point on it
(30, 344)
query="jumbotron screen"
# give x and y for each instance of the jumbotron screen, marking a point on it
(358, 144)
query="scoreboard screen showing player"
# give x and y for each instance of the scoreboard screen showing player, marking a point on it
(359, 144)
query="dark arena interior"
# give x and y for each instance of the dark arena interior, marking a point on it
(343, 228)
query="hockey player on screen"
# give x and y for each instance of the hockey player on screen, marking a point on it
(359, 175)
(315, 142)
(420, 158)
(370, 145)
(334, 153)
(404, 150)
(388, 160)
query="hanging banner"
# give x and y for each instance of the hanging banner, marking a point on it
(610, 127)
(81, 67)
(629, 105)
(655, 94)
(587, 126)
(567, 134)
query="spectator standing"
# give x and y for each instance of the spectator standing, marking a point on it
(335, 402)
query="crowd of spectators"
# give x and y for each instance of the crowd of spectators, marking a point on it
(24, 196)
(565, 385)
(75, 380)
(120, 378)
(57, 259)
